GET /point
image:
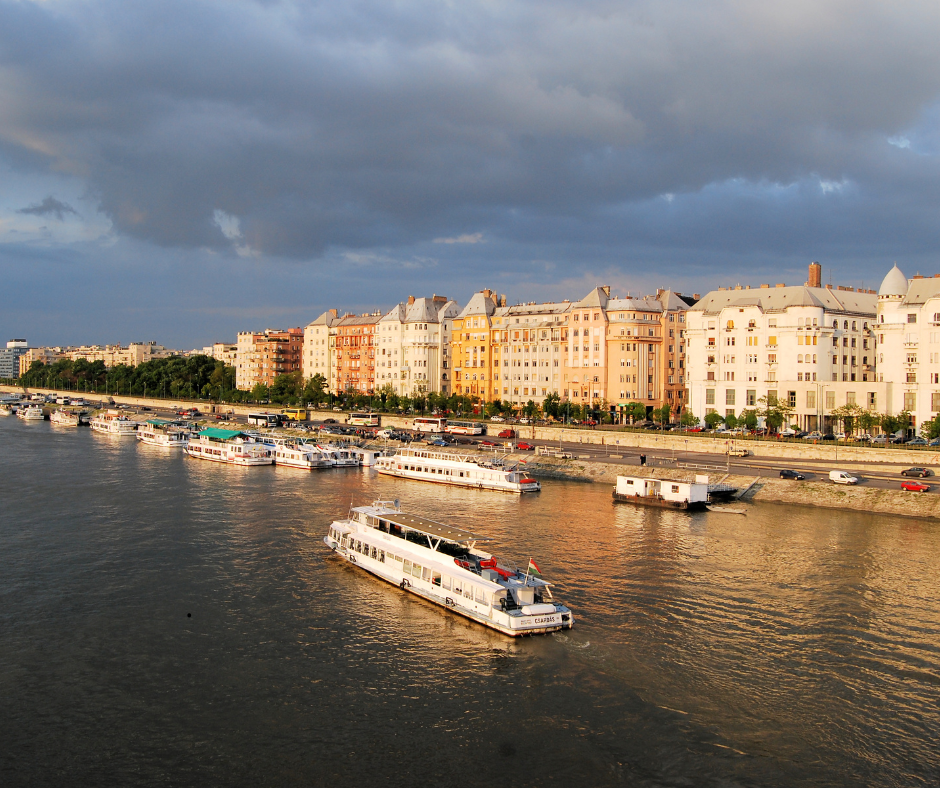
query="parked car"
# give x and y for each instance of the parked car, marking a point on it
(879, 440)
(914, 486)
(497, 418)
(788, 474)
(739, 452)
(525, 447)
(916, 442)
(329, 421)
(384, 435)
(489, 443)
(436, 442)
(507, 434)
(922, 472)
(815, 435)
(842, 477)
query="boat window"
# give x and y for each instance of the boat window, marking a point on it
(375, 552)
(468, 592)
(456, 585)
(416, 570)
(381, 556)
(435, 578)
(480, 596)
(445, 582)
(406, 567)
(358, 547)
(425, 574)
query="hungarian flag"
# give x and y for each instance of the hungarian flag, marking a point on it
(533, 568)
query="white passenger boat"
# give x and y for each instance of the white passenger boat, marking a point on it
(339, 456)
(230, 446)
(443, 565)
(113, 422)
(7, 409)
(31, 413)
(300, 455)
(163, 433)
(67, 417)
(459, 469)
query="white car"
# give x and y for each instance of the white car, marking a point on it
(842, 477)
(384, 434)
(497, 418)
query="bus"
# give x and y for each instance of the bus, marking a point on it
(465, 427)
(265, 419)
(294, 414)
(430, 424)
(364, 419)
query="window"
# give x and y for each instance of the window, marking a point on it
(830, 400)
(810, 400)
(729, 397)
(772, 341)
(751, 397)
(910, 401)
(850, 398)
(935, 401)
(911, 317)
(709, 396)
(911, 377)
(872, 400)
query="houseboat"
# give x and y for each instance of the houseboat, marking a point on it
(230, 446)
(165, 434)
(462, 470)
(442, 564)
(339, 456)
(68, 417)
(113, 422)
(300, 455)
(663, 493)
(31, 413)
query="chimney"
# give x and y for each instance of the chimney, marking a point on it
(436, 299)
(487, 293)
(696, 296)
(502, 300)
(764, 287)
(780, 284)
(815, 275)
(917, 276)
(606, 289)
(411, 300)
(828, 287)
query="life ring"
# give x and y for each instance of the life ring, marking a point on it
(352, 558)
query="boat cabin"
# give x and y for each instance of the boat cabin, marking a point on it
(675, 493)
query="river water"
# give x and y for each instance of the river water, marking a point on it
(166, 621)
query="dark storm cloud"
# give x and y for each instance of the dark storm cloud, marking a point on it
(317, 126)
(49, 207)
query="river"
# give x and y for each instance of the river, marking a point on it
(167, 621)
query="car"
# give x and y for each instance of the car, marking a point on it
(934, 442)
(916, 442)
(507, 434)
(788, 474)
(589, 422)
(879, 440)
(525, 447)
(329, 421)
(497, 418)
(842, 477)
(739, 452)
(815, 435)
(922, 472)
(489, 443)
(338, 410)
(914, 486)
(435, 442)
(524, 420)
(384, 435)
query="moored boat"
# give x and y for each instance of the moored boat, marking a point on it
(31, 413)
(458, 469)
(229, 446)
(442, 564)
(300, 455)
(661, 493)
(339, 456)
(163, 433)
(113, 422)
(68, 417)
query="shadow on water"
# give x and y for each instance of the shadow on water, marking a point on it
(165, 620)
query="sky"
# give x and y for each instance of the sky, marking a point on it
(184, 170)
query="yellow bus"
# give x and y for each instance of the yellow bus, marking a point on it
(294, 414)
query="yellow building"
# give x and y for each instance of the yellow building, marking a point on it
(471, 346)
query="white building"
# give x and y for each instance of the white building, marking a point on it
(414, 345)
(813, 348)
(316, 352)
(908, 331)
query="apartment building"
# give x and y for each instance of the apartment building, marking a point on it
(908, 333)
(222, 351)
(672, 390)
(635, 371)
(528, 346)
(47, 355)
(10, 357)
(262, 356)
(809, 346)
(414, 345)
(471, 347)
(585, 380)
(317, 352)
(353, 342)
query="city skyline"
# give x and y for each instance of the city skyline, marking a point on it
(257, 164)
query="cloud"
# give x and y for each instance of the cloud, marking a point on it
(50, 206)
(473, 238)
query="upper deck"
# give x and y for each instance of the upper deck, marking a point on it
(394, 521)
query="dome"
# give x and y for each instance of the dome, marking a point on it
(894, 284)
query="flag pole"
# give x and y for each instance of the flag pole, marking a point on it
(528, 566)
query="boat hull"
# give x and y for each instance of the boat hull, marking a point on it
(228, 459)
(457, 482)
(525, 625)
(658, 503)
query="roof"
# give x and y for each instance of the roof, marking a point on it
(479, 304)
(363, 320)
(672, 301)
(598, 297)
(157, 422)
(222, 435)
(423, 310)
(777, 299)
(894, 283)
(448, 533)
(921, 290)
(633, 305)
(328, 318)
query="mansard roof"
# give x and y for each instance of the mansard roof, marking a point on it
(778, 299)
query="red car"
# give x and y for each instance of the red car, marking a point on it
(488, 443)
(525, 447)
(507, 434)
(914, 486)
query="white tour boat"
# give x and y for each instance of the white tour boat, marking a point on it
(31, 413)
(459, 469)
(442, 564)
(339, 456)
(68, 417)
(230, 446)
(165, 434)
(300, 455)
(113, 422)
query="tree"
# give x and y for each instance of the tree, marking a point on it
(748, 418)
(315, 390)
(688, 419)
(713, 419)
(891, 424)
(259, 392)
(868, 420)
(731, 421)
(661, 414)
(775, 412)
(551, 406)
(636, 411)
(847, 414)
(493, 408)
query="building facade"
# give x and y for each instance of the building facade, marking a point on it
(222, 351)
(471, 347)
(10, 357)
(262, 356)
(908, 332)
(812, 348)
(317, 353)
(353, 341)
(414, 345)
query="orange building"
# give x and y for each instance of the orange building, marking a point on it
(261, 357)
(353, 342)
